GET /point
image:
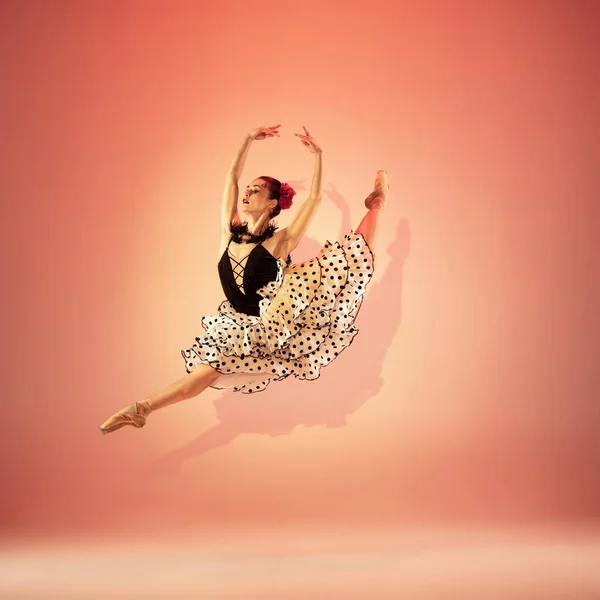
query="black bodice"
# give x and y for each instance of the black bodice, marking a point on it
(259, 268)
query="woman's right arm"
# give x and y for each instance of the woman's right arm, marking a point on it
(229, 210)
(231, 193)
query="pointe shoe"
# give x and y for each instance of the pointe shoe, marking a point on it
(379, 195)
(135, 414)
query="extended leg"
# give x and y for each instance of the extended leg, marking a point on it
(375, 202)
(369, 226)
(187, 387)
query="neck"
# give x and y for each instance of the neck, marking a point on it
(256, 225)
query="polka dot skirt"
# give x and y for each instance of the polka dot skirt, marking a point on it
(306, 320)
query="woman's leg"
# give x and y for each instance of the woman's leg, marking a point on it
(375, 202)
(187, 387)
(369, 226)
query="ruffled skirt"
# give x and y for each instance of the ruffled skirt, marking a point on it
(306, 320)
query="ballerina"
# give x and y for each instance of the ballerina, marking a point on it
(279, 318)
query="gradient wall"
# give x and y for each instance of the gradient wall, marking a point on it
(471, 391)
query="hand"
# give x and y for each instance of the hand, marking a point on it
(260, 133)
(309, 141)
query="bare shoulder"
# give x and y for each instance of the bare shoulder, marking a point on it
(277, 244)
(225, 236)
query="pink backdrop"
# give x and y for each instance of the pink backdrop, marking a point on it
(471, 391)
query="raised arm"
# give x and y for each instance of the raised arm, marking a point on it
(231, 193)
(297, 228)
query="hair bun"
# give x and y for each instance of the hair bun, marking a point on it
(287, 194)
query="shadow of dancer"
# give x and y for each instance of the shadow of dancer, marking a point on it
(328, 400)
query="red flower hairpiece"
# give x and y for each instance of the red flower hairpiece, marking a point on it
(286, 195)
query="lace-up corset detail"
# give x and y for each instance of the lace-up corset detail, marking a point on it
(238, 268)
(241, 279)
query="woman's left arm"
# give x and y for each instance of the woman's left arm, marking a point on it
(297, 228)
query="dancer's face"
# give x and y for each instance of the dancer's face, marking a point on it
(256, 199)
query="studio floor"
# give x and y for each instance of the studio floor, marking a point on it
(438, 564)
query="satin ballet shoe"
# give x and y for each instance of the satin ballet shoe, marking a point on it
(377, 198)
(135, 414)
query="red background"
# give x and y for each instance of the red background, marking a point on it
(470, 394)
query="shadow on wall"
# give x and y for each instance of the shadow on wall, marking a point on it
(328, 400)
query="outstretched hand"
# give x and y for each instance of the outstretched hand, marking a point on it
(260, 133)
(309, 141)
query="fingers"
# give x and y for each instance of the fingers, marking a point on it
(307, 136)
(308, 140)
(271, 131)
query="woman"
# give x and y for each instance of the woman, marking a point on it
(279, 319)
